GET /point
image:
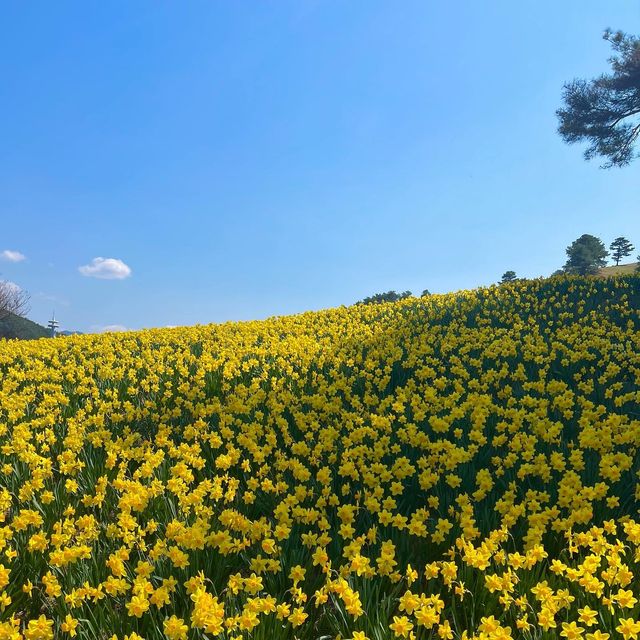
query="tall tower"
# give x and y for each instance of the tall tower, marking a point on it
(53, 325)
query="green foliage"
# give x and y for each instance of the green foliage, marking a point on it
(425, 293)
(13, 326)
(387, 296)
(508, 276)
(620, 248)
(605, 111)
(586, 255)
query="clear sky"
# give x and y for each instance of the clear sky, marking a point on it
(248, 159)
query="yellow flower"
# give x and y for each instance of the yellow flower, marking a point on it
(297, 573)
(52, 586)
(445, 631)
(571, 631)
(427, 616)
(401, 626)
(546, 619)
(208, 613)
(297, 617)
(137, 606)
(283, 611)
(628, 628)
(488, 625)
(175, 628)
(69, 625)
(625, 599)
(40, 629)
(587, 616)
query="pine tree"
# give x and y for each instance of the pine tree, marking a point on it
(508, 276)
(604, 112)
(586, 255)
(620, 248)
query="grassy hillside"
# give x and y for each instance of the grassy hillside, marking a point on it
(623, 269)
(455, 466)
(16, 327)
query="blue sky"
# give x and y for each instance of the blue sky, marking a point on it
(252, 159)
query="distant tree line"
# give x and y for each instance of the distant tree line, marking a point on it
(390, 296)
(587, 255)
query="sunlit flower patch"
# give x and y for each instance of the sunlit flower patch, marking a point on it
(459, 466)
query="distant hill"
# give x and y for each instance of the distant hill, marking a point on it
(605, 272)
(16, 327)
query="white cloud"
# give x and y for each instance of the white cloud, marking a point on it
(106, 269)
(108, 328)
(12, 256)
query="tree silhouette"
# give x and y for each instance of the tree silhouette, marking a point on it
(586, 255)
(387, 296)
(605, 111)
(620, 248)
(13, 300)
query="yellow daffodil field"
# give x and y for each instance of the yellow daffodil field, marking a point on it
(456, 466)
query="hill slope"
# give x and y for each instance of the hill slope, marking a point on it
(16, 327)
(457, 463)
(622, 269)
